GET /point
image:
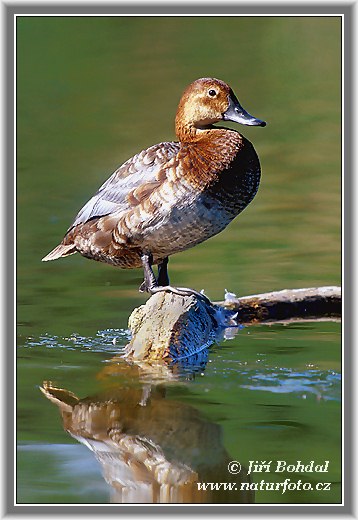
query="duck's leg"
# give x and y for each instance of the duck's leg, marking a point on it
(150, 281)
(151, 285)
(163, 278)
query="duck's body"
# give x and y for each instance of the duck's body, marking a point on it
(173, 195)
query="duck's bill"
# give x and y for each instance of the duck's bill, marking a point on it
(237, 114)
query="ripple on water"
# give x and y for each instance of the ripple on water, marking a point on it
(325, 384)
(109, 341)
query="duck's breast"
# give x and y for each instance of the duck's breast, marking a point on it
(177, 215)
(237, 185)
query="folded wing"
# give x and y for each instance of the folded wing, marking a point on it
(132, 181)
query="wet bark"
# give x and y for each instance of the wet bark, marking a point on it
(289, 304)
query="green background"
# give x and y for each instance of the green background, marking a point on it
(92, 92)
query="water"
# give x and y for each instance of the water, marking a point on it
(91, 93)
(267, 394)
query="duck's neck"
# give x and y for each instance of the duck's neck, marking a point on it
(205, 152)
(189, 132)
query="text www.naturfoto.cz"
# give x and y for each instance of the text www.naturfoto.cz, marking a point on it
(286, 485)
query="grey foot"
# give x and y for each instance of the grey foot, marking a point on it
(143, 287)
(181, 291)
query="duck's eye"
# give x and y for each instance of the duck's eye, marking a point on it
(212, 92)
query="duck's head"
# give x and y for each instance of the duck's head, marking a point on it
(207, 101)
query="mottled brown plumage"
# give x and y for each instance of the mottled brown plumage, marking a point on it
(173, 195)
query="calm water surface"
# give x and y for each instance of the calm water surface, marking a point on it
(91, 93)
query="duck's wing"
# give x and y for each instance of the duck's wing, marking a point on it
(140, 174)
(125, 188)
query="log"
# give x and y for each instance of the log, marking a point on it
(314, 303)
(175, 327)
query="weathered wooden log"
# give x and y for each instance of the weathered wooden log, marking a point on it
(315, 302)
(172, 326)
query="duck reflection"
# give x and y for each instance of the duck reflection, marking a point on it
(152, 449)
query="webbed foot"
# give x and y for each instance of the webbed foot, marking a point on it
(181, 291)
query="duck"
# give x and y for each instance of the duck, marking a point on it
(173, 195)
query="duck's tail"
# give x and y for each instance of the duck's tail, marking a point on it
(60, 251)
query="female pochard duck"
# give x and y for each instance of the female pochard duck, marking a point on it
(173, 195)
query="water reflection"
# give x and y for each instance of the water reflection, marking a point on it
(151, 449)
(267, 391)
